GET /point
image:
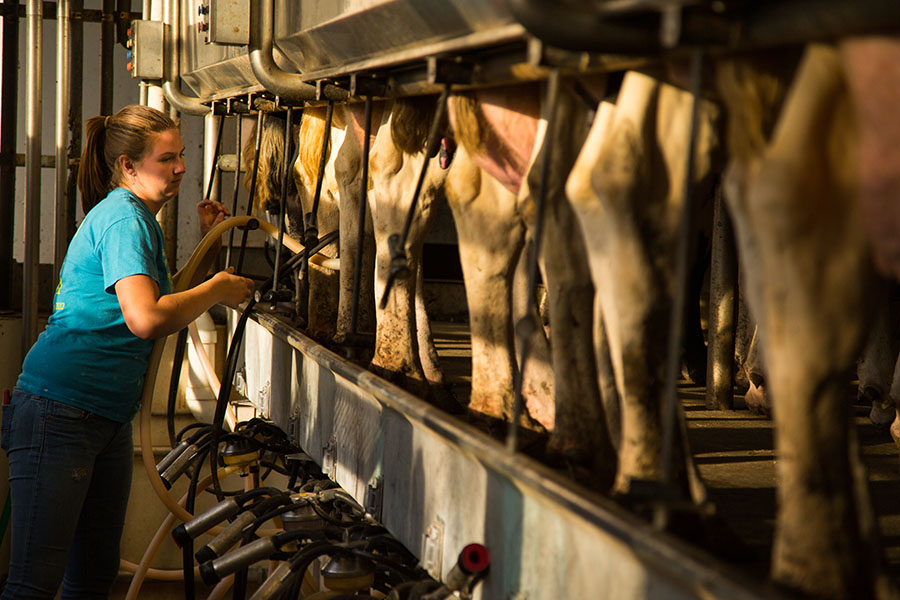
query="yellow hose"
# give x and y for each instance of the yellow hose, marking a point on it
(200, 252)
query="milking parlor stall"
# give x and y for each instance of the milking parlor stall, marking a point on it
(553, 298)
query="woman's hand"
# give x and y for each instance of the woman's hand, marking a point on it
(232, 289)
(211, 213)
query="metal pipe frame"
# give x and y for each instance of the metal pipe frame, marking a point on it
(172, 69)
(288, 86)
(76, 103)
(107, 45)
(33, 74)
(63, 63)
(723, 304)
(9, 83)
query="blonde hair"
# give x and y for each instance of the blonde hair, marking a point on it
(129, 132)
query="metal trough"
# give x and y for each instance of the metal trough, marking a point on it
(439, 484)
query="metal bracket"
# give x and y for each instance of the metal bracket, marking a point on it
(367, 85)
(375, 497)
(432, 548)
(443, 70)
(329, 458)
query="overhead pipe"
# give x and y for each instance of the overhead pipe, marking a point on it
(289, 86)
(62, 217)
(34, 16)
(171, 67)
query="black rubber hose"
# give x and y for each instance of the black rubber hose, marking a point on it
(225, 394)
(180, 343)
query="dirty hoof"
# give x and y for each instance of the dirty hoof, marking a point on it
(883, 411)
(757, 398)
(414, 385)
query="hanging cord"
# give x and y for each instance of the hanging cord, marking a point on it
(284, 187)
(671, 409)
(260, 122)
(231, 364)
(237, 187)
(311, 221)
(181, 340)
(397, 243)
(361, 225)
(525, 326)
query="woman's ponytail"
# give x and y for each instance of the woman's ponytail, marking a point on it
(94, 176)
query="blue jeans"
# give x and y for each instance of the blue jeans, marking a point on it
(69, 475)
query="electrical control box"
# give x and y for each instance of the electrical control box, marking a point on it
(145, 49)
(226, 22)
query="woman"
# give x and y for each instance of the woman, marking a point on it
(67, 430)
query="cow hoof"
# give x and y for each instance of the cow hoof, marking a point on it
(414, 385)
(757, 398)
(883, 412)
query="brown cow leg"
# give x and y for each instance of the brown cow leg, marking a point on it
(537, 383)
(490, 239)
(580, 426)
(800, 229)
(348, 174)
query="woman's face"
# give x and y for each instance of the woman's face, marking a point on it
(155, 178)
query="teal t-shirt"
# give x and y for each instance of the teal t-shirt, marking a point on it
(87, 357)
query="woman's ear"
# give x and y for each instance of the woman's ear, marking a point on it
(126, 165)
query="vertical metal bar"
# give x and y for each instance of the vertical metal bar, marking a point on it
(34, 15)
(722, 310)
(361, 225)
(107, 44)
(212, 143)
(9, 94)
(286, 172)
(60, 223)
(525, 323)
(260, 123)
(237, 185)
(76, 102)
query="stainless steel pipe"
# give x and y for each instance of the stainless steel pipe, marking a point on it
(63, 57)
(34, 17)
(171, 67)
(9, 82)
(289, 86)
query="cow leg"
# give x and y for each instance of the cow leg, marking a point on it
(875, 370)
(537, 382)
(579, 431)
(800, 229)
(490, 240)
(394, 174)
(347, 168)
